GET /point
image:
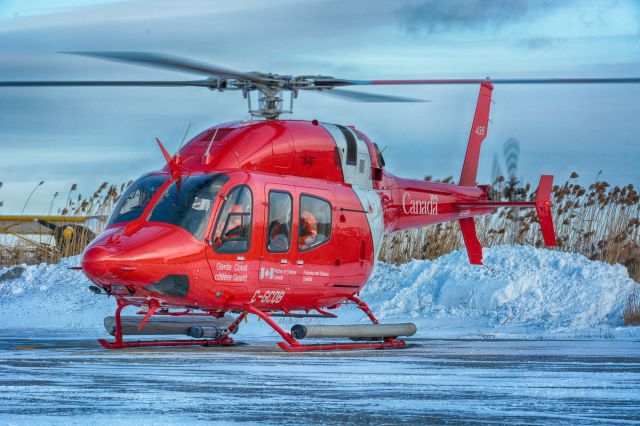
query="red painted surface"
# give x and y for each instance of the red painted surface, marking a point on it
(297, 157)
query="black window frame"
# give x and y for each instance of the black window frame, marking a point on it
(215, 227)
(315, 246)
(267, 236)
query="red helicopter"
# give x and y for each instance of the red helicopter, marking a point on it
(275, 218)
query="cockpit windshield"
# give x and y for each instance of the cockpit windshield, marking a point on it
(188, 201)
(133, 202)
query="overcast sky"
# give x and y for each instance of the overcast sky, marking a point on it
(86, 136)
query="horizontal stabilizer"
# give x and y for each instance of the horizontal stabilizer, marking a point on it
(542, 205)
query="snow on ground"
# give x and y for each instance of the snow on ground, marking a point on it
(522, 291)
(51, 296)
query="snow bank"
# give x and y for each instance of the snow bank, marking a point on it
(521, 291)
(51, 297)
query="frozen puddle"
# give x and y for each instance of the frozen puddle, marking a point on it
(67, 379)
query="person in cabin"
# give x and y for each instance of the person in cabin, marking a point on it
(308, 230)
(230, 231)
(279, 223)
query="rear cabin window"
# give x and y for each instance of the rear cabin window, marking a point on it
(314, 228)
(232, 233)
(280, 218)
(352, 146)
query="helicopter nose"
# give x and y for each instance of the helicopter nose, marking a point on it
(143, 258)
(96, 262)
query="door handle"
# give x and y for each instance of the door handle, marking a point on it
(284, 261)
(300, 262)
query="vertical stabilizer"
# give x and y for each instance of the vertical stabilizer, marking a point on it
(478, 133)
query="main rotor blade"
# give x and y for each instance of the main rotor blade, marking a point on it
(173, 63)
(368, 97)
(197, 83)
(605, 80)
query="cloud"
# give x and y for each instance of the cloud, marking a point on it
(344, 39)
(433, 16)
(535, 43)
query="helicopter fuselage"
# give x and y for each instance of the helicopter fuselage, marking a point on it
(181, 248)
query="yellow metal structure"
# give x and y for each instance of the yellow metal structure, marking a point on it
(28, 225)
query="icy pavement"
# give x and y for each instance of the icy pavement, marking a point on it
(69, 379)
(589, 373)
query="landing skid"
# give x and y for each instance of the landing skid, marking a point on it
(393, 344)
(290, 344)
(151, 343)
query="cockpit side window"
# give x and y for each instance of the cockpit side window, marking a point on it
(135, 199)
(232, 233)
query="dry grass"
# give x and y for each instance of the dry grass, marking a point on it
(600, 221)
(631, 313)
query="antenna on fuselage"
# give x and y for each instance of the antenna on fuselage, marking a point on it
(184, 137)
(206, 158)
(178, 157)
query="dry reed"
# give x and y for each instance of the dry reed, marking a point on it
(599, 221)
(631, 313)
